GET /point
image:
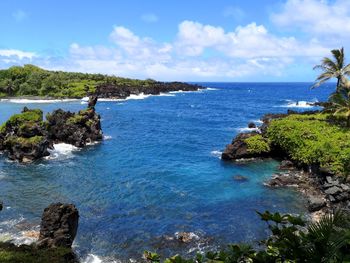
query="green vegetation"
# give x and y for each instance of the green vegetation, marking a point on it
(312, 139)
(257, 144)
(30, 80)
(35, 115)
(10, 253)
(291, 241)
(334, 68)
(24, 142)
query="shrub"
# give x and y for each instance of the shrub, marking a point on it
(311, 139)
(257, 144)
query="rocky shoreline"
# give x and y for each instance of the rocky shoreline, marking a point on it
(324, 191)
(115, 91)
(26, 137)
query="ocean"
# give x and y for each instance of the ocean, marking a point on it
(158, 172)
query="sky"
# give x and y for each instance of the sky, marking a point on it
(185, 40)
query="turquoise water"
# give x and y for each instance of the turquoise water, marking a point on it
(158, 172)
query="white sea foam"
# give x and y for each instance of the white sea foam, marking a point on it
(107, 137)
(91, 258)
(9, 232)
(299, 104)
(216, 153)
(258, 121)
(211, 89)
(246, 129)
(166, 95)
(62, 151)
(40, 101)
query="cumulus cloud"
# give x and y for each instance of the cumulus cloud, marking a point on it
(14, 53)
(247, 41)
(198, 52)
(319, 18)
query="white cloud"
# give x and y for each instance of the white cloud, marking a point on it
(149, 18)
(199, 52)
(248, 41)
(319, 18)
(16, 53)
(19, 15)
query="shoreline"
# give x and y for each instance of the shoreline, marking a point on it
(325, 191)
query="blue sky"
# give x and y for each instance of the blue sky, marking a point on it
(193, 40)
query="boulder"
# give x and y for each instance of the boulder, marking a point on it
(286, 165)
(252, 125)
(282, 180)
(59, 225)
(186, 237)
(333, 190)
(1, 205)
(315, 203)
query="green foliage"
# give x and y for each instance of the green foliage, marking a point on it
(35, 115)
(24, 142)
(291, 241)
(311, 139)
(30, 80)
(77, 118)
(29, 254)
(257, 144)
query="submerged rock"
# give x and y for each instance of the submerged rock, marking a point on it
(240, 178)
(59, 225)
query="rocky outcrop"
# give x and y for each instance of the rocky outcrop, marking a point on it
(77, 129)
(59, 225)
(26, 137)
(117, 91)
(23, 136)
(238, 149)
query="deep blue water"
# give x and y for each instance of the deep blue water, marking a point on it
(159, 173)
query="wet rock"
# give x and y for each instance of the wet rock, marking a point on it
(283, 180)
(59, 225)
(92, 101)
(315, 203)
(240, 178)
(77, 129)
(238, 149)
(186, 237)
(333, 190)
(1, 205)
(345, 187)
(120, 91)
(286, 165)
(252, 125)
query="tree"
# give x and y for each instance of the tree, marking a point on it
(340, 104)
(334, 68)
